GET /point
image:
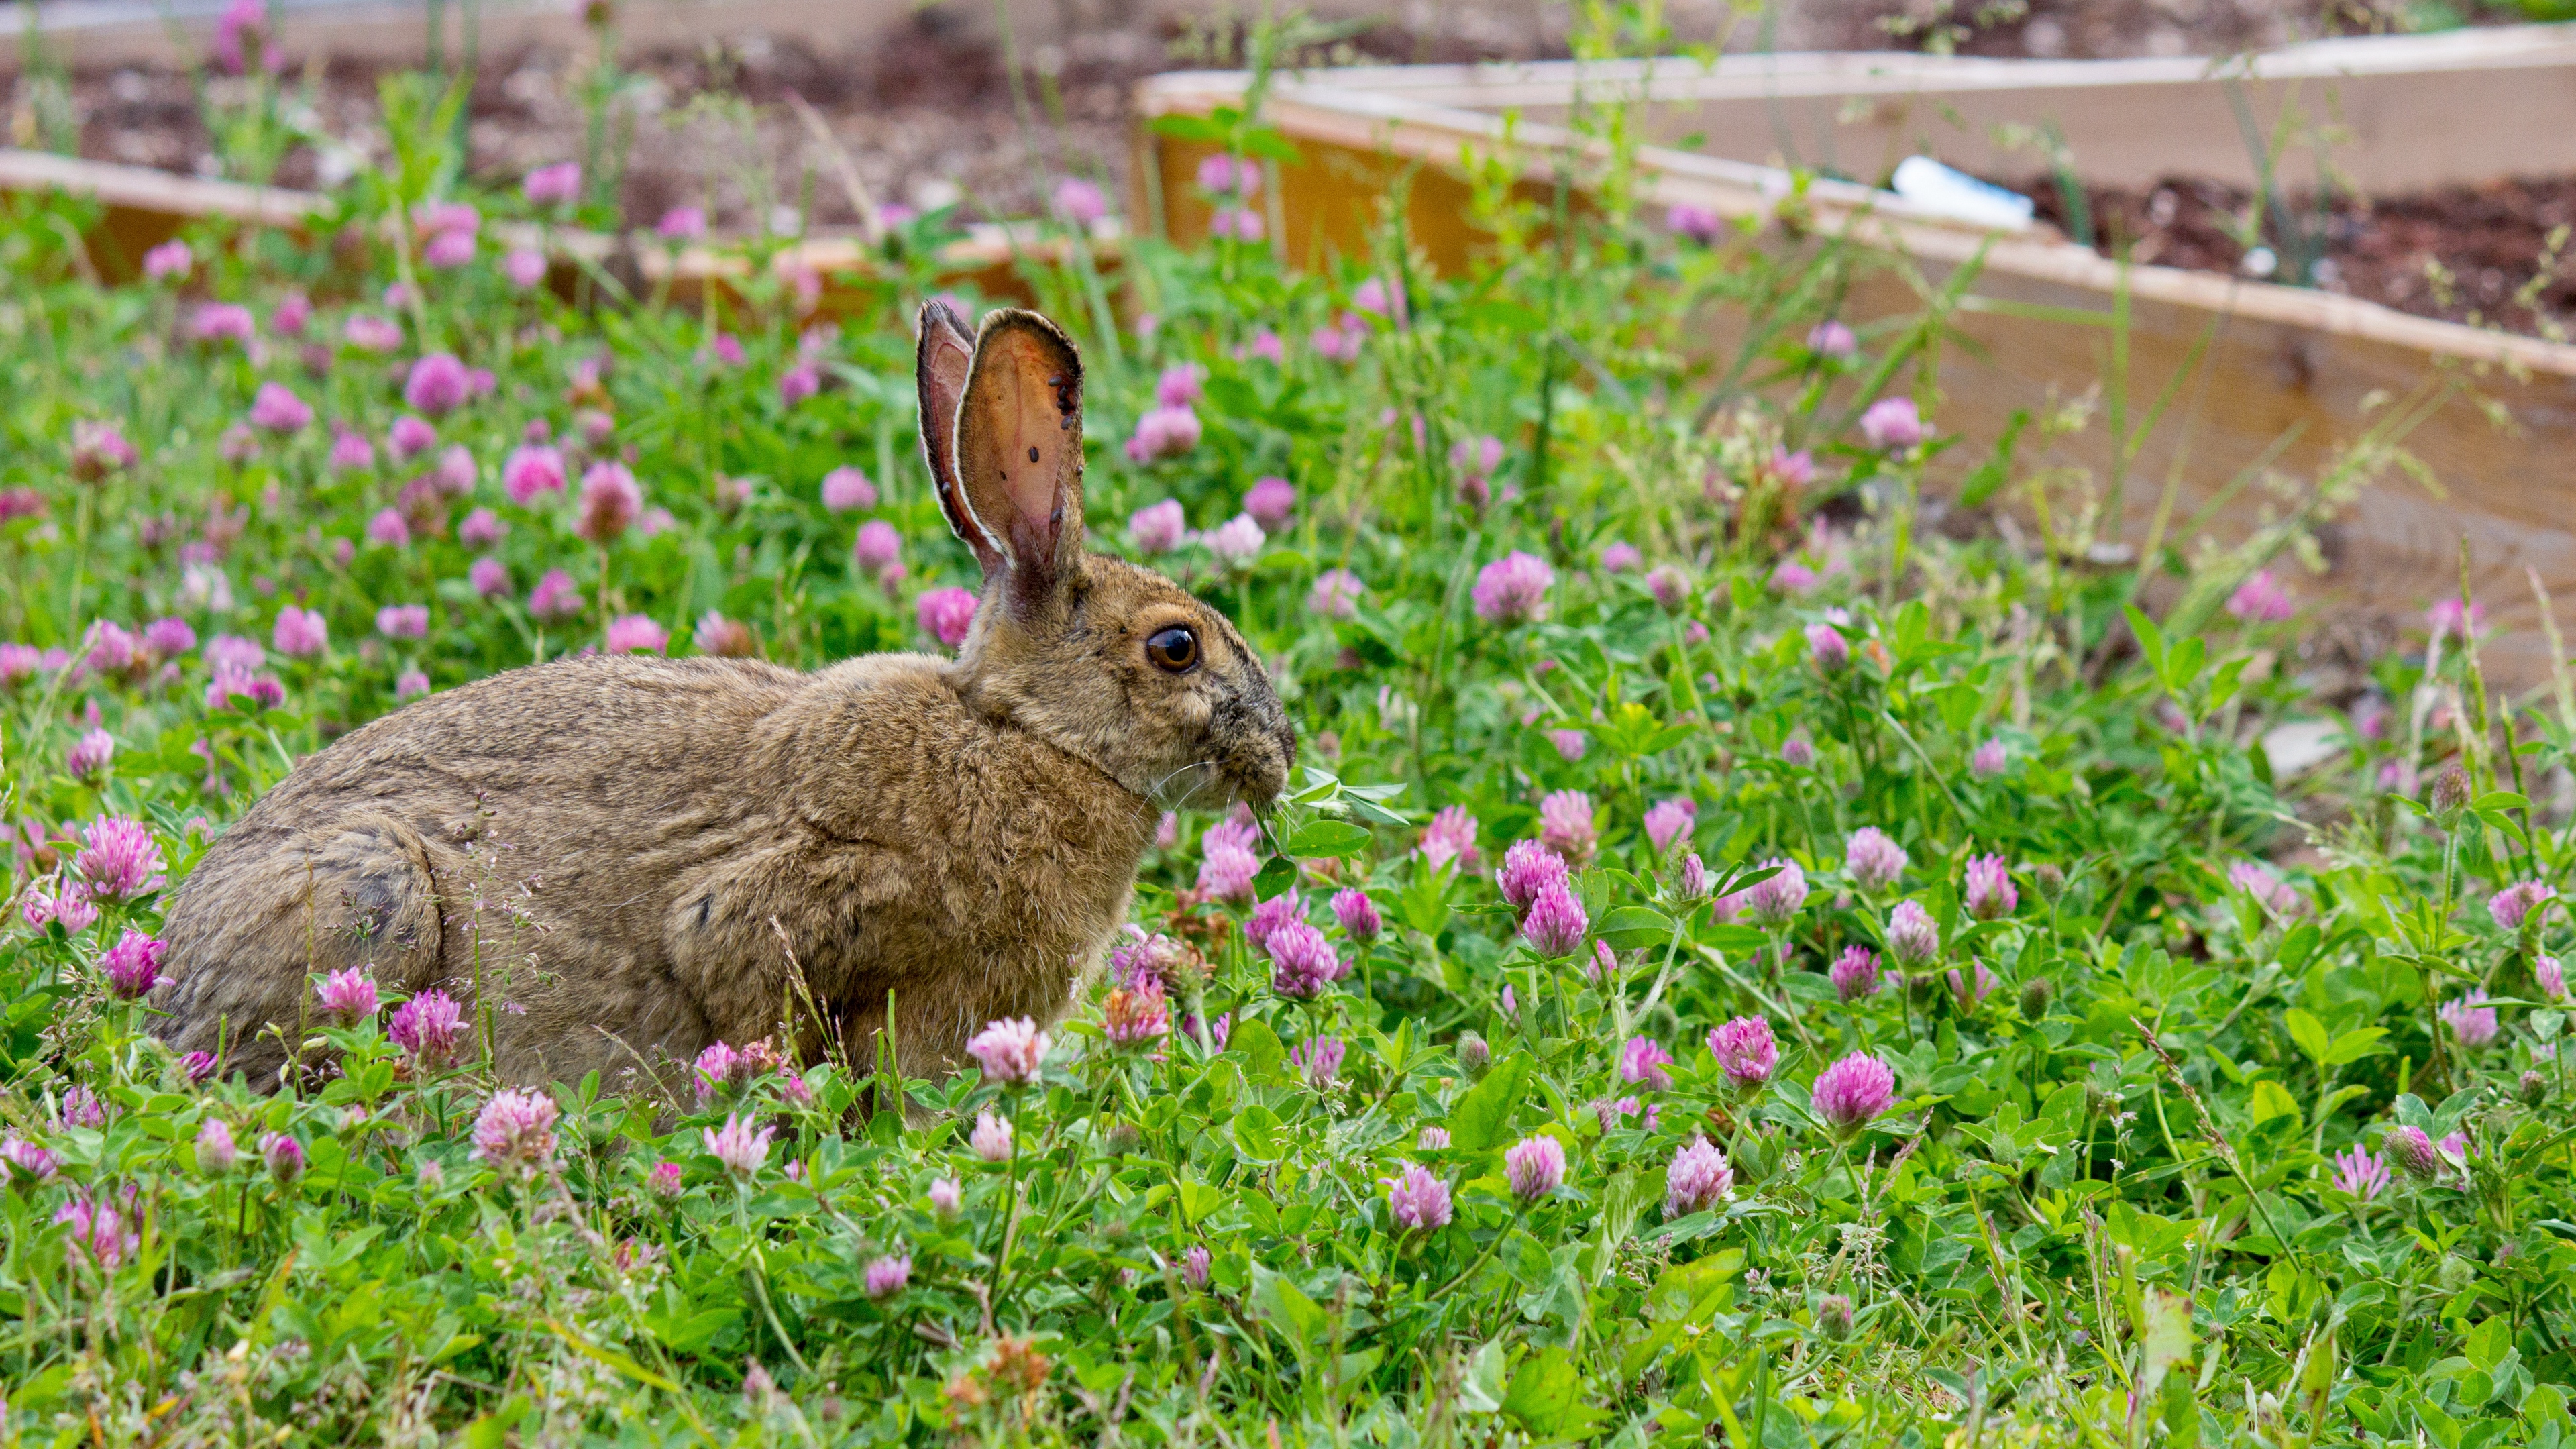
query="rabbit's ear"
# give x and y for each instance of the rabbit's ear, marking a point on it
(1019, 449)
(940, 369)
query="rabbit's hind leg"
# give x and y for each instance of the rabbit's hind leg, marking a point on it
(268, 911)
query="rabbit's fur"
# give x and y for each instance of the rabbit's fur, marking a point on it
(619, 853)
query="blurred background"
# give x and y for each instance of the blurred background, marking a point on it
(793, 116)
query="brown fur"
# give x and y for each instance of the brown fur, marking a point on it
(601, 845)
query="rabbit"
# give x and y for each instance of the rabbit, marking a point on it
(624, 859)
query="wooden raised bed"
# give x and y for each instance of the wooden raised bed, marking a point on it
(397, 34)
(2290, 375)
(2389, 114)
(142, 208)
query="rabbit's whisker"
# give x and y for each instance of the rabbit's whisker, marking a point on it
(1184, 799)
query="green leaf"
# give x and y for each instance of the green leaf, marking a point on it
(2499, 800)
(2269, 1100)
(1272, 146)
(1547, 1396)
(2299, 944)
(1480, 1388)
(1664, 739)
(1370, 810)
(2183, 660)
(1188, 128)
(2308, 1032)
(1260, 1048)
(1285, 1307)
(40, 1391)
(493, 1429)
(1198, 1199)
(1632, 928)
(1559, 1295)
(1623, 1202)
(1734, 940)
(1329, 838)
(2168, 1338)
(1277, 876)
(1258, 1134)
(685, 1332)
(1481, 1117)
(2487, 1344)
(2150, 638)
(2353, 1045)
(1990, 474)
(2181, 1414)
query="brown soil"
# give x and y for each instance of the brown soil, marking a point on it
(2105, 29)
(2499, 256)
(924, 115)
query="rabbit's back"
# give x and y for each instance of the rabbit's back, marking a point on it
(617, 854)
(454, 837)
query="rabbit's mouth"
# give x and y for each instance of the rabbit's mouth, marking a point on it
(1208, 784)
(1258, 775)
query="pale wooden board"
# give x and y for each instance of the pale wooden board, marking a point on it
(2511, 490)
(144, 207)
(2284, 359)
(2387, 114)
(397, 34)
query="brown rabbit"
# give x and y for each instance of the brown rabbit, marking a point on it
(962, 834)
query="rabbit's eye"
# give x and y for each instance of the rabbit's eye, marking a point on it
(1175, 649)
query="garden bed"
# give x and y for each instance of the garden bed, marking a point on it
(2479, 255)
(2266, 380)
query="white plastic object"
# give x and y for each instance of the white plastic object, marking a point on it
(1961, 197)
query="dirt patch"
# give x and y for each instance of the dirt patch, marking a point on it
(2499, 256)
(925, 113)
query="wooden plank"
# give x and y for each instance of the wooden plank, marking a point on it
(143, 207)
(2310, 367)
(2400, 113)
(2396, 548)
(397, 34)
